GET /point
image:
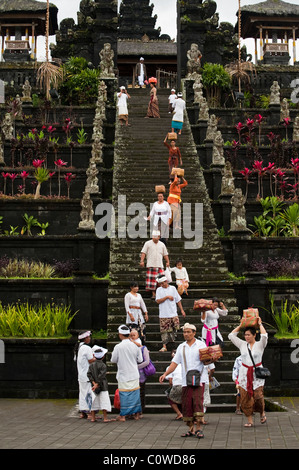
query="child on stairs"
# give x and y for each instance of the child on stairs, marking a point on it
(181, 277)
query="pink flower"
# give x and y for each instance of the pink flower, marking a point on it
(271, 136)
(37, 163)
(24, 174)
(51, 129)
(51, 173)
(270, 167)
(250, 123)
(69, 176)
(12, 176)
(286, 121)
(5, 175)
(259, 118)
(246, 173)
(279, 173)
(258, 165)
(239, 126)
(60, 163)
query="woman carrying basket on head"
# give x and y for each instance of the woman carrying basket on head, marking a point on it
(251, 388)
(153, 106)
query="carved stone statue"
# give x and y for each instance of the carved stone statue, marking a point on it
(227, 183)
(86, 214)
(92, 178)
(26, 98)
(7, 127)
(107, 63)
(18, 110)
(275, 93)
(193, 64)
(238, 213)
(218, 150)
(198, 90)
(97, 150)
(296, 129)
(203, 114)
(284, 110)
(212, 127)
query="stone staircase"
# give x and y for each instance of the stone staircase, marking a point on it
(140, 163)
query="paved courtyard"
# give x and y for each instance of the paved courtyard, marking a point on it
(54, 424)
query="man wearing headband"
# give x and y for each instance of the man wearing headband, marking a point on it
(187, 355)
(84, 356)
(140, 72)
(127, 356)
(154, 251)
(97, 377)
(167, 297)
(171, 98)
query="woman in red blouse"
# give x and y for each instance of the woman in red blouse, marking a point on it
(175, 157)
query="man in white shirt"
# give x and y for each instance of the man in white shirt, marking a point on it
(192, 395)
(161, 213)
(122, 104)
(127, 356)
(168, 298)
(154, 251)
(141, 72)
(84, 357)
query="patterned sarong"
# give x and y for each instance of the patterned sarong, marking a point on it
(153, 109)
(192, 403)
(151, 276)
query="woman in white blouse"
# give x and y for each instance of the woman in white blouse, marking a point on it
(210, 331)
(251, 388)
(135, 308)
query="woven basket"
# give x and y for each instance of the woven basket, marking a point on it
(210, 354)
(172, 136)
(178, 171)
(203, 304)
(250, 318)
(160, 189)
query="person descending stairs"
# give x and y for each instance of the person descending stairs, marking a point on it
(141, 163)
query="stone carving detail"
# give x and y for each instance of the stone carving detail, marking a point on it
(275, 93)
(238, 213)
(107, 63)
(203, 114)
(218, 150)
(26, 98)
(198, 90)
(193, 64)
(212, 127)
(284, 110)
(92, 186)
(296, 129)
(7, 127)
(227, 183)
(86, 214)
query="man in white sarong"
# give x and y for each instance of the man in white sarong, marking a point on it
(84, 357)
(141, 72)
(127, 356)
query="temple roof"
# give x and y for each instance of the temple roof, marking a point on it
(151, 48)
(21, 10)
(269, 13)
(272, 8)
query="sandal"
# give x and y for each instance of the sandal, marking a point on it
(248, 425)
(163, 350)
(188, 434)
(199, 434)
(263, 419)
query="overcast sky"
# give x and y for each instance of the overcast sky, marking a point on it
(166, 12)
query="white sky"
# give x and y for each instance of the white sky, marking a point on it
(166, 12)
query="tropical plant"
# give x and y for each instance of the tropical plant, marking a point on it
(286, 317)
(59, 164)
(30, 222)
(26, 269)
(41, 175)
(80, 83)
(215, 79)
(291, 217)
(42, 321)
(81, 136)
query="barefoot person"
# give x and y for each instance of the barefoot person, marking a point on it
(83, 354)
(127, 356)
(168, 298)
(192, 395)
(251, 388)
(97, 377)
